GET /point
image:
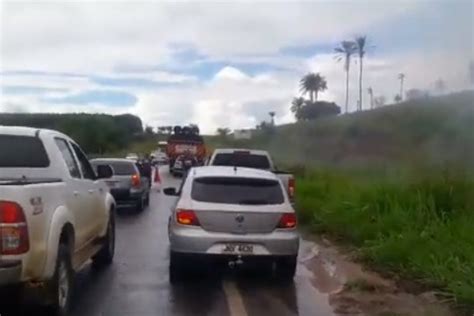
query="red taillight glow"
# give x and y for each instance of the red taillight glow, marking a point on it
(291, 188)
(187, 217)
(287, 220)
(136, 180)
(13, 229)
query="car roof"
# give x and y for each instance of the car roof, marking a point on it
(232, 150)
(29, 131)
(113, 160)
(236, 172)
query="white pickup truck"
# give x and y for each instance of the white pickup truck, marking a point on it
(55, 215)
(250, 158)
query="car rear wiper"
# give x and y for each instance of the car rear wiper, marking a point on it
(253, 202)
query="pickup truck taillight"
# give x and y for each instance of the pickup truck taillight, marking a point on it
(186, 217)
(291, 188)
(136, 180)
(13, 229)
(287, 220)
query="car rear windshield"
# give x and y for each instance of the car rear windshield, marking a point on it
(246, 191)
(120, 168)
(22, 152)
(243, 159)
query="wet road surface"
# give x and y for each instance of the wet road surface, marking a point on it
(137, 284)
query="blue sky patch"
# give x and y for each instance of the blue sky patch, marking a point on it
(106, 97)
(29, 90)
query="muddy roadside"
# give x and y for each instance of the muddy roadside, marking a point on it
(352, 289)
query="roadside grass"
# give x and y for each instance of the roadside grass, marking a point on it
(419, 225)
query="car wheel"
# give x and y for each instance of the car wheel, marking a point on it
(147, 199)
(140, 205)
(176, 268)
(286, 268)
(61, 284)
(106, 255)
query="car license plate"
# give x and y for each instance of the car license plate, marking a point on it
(237, 249)
(111, 184)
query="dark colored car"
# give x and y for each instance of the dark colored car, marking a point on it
(130, 184)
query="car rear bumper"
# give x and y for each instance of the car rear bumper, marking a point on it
(10, 272)
(185, 239)
(125, 196)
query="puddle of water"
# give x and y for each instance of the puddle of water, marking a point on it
(324, 273)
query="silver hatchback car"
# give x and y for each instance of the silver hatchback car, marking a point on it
(235, 215)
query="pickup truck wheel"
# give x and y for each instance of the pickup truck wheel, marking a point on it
(106, 255)
(286, 269)
(61, 284)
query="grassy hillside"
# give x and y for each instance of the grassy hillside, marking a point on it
(391, 182)
(436, 130)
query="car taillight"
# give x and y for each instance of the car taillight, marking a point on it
(136, 180)
(13, 229)
(187, 217)
(291, 188)
(287, 220)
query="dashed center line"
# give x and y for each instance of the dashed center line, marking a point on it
(234, 299)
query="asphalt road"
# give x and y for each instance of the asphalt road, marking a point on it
(137, 283)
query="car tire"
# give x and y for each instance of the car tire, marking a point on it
(147, 199)
(285, 269)
(106, 255)
(176, 268)
(140, 204)
(61, 285)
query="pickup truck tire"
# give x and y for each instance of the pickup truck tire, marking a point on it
(286, 269)
(62, 283)
(106, 255)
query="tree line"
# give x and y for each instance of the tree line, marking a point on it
(96, 133)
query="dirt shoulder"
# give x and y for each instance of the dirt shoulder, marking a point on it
(355, 290)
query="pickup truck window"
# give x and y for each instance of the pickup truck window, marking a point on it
(242, 160)
(121, 168)
(86, 167)
(245, 191)
(68, 157)
(22, 152)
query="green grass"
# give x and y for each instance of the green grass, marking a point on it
(420, 225)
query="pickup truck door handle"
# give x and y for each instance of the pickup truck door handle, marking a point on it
(76, 193)
(91, 191)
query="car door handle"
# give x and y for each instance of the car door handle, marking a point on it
(91, 191)
(76, 193)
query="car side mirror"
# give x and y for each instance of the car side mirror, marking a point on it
(104, 172)
(170, 191)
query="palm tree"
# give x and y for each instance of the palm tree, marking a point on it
(360, 42)
(401, 77)
(296, 106)
(345, 52)
(312, 84)
(272, 116)
(370, 91)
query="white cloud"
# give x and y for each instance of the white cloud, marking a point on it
(98, 38)
(230, 73)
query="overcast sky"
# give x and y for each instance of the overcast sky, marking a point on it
(219, 63)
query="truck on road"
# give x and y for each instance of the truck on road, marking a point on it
(55, 214)
(250, 158)
(185, 141)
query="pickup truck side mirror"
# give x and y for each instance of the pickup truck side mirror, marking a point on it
(104, 172)
(170, 191)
